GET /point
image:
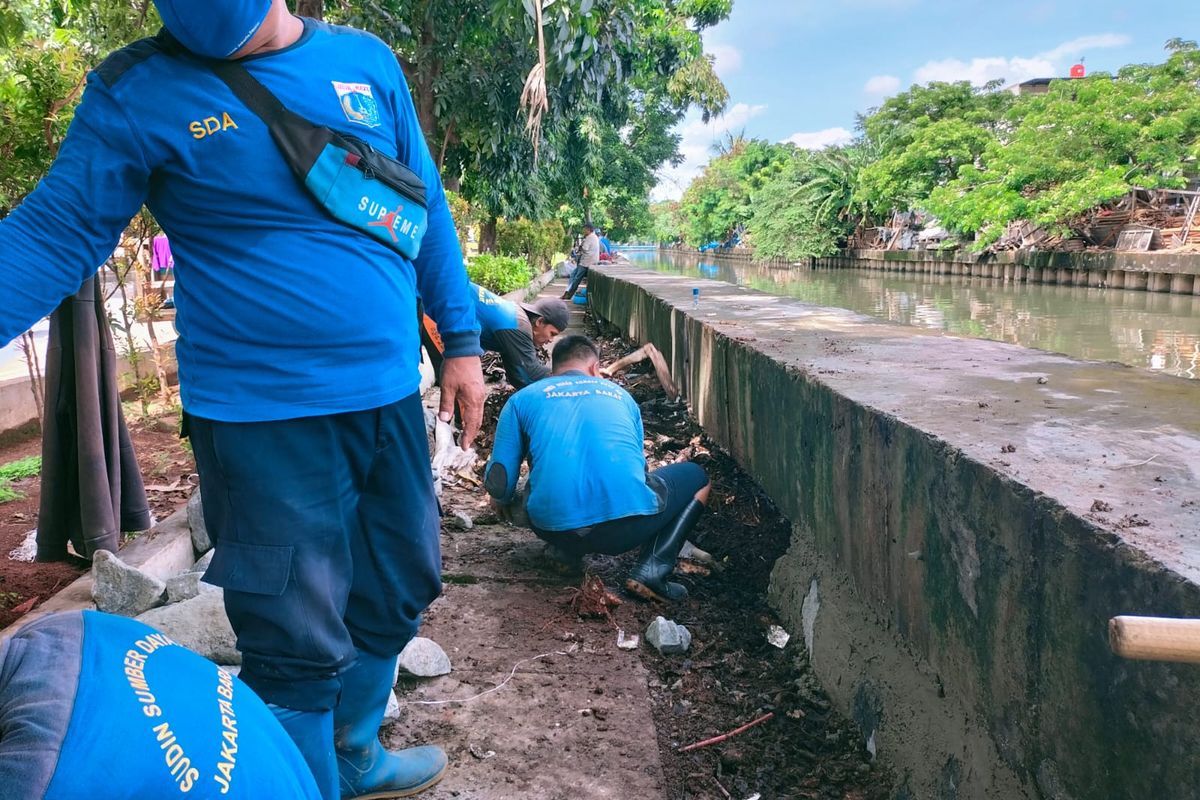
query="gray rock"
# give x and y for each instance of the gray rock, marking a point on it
(668, 637)
(121, 589)
(201, 565)
(200, 625)
(424, 658)
(393, 708)
(459, 521)
(186, 586)
(195, 514)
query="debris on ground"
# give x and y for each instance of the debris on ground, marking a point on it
(27, 551)
(778, 637)
(459, 521)
(424, 658)
(668, 637)
(627, 642)
(593, 599)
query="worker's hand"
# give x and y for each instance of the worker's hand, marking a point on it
(462, 382)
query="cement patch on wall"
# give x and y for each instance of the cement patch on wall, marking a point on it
(951, 568)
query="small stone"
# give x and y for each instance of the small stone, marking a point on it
(118, 588)
(186, 586)
(202, 565)
(201, 543)
(668, 637)
(393, 708)
(424, 658)
(1043, 381)
(459, 521)
(200, 625)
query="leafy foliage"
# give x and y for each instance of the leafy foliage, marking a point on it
(977, 158)
(500, 274)
(536, 242)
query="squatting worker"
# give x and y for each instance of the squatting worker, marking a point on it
(514, 330)
(589, 256)
(588, 489)
(300, 392)
(99, 706)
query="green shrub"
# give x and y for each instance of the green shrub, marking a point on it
(537, 242)
(500, 274)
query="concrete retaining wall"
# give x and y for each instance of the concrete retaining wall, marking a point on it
(952, 572)
(1174, 272)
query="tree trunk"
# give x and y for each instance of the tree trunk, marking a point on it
(310, 8)
(487, 235)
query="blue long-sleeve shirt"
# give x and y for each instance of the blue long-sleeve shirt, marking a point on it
(282, 311)
(583, 437)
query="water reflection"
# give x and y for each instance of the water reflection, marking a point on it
(1145, 329)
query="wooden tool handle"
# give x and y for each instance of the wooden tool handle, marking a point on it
(1155, 638)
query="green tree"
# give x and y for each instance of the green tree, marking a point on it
(722, 198)
(1084, 143)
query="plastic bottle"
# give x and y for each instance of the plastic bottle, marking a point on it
(695, 297)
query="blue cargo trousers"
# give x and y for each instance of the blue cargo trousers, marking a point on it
(326, 531)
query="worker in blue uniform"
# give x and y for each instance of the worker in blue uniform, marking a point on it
(589, 490)
(94, 705)
(300, 392)
(517, 331)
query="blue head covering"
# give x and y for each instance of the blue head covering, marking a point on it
(213, 28)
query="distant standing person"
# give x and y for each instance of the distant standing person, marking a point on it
(589, 256)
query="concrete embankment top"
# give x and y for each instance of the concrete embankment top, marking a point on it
(987, 505)
(1076, 431)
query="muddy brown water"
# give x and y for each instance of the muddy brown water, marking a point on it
(1159, 332)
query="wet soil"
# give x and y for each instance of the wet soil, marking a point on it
(167, 470)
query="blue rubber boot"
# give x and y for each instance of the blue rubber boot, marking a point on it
(312, 731)
(365, 769)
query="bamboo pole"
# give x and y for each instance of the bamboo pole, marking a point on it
(1155, 638)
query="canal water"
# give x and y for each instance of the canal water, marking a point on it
(1155, 331)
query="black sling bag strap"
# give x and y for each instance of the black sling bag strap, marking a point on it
(359, 186)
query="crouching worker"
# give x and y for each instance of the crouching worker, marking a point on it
(588, 489)
(514, 330)
(93, 705)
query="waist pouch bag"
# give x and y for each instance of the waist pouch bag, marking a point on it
(358, 186)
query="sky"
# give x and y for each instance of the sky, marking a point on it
(800, 70)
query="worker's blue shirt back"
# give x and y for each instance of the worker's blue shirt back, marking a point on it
(493, 313)
(94, 705)
(282, 312)
(583, 437)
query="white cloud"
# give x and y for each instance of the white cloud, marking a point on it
(696, 147)
(1049, 64)
(818, 140)
(1080, 46)
(727, 59)
(882, 85)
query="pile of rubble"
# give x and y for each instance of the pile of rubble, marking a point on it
(192, 612)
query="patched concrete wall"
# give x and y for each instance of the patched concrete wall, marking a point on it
(951, 572)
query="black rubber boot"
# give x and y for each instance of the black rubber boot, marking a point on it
(648, 578)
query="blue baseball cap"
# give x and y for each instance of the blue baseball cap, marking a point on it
(213, 28)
